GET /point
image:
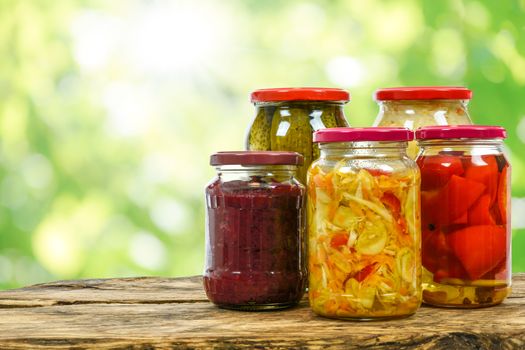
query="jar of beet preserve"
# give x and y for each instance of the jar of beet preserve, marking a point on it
(465, 209)
(255, 226)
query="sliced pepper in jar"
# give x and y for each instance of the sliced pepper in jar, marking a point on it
(451, 202)
(479, 248)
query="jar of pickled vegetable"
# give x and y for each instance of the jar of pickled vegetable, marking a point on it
(364, 225)
(285, 119)
(465, 208)
(414, 107)
(255, 244)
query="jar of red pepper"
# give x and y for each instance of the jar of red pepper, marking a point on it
(255, 226)
(465, 211)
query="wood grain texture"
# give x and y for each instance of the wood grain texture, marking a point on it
(159, 313)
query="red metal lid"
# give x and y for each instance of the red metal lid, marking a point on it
(256, 158)
(363, 134)
(300, 94)
(423, 93)
(461, 132)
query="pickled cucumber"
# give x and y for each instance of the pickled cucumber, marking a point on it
(330, 117)
(289, 127)
(258, 138)
(291, 131)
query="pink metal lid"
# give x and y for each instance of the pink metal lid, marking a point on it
(256, 158)
(461, 132)
(363, 134)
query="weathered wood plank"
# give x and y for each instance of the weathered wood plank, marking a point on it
(137, 290)
(146, 313)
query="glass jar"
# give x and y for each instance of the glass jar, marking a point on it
(286, 118)
(364, 225)
(255, 244)
(465, 208)
(414, 107)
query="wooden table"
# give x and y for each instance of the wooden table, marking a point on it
(148, 313)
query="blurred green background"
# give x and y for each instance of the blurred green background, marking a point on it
(109, 110)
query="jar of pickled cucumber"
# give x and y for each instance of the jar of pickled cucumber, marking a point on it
(465, 208)
(286, 118)
(413, 107)
(364, 225)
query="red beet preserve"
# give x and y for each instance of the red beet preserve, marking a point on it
(255, 256)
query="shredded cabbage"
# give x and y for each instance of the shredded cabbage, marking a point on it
(364, 242)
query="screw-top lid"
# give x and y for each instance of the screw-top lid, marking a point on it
(363, 134)
(460, 132)
(256, 158)
(300, 94)
(423, 93)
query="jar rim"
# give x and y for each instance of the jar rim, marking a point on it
(461, 132)
(256, 158)
(363, 134)
(300, 94)
(423, 93)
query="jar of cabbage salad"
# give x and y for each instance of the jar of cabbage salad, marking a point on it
(255, 246)
(413, 107)
(465, 208)
(286, 118)
(364, 225)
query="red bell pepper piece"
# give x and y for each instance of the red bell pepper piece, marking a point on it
(484, 169)
(462, 220)
(503, 194)
(434, 245)
(479, 213)
(480, 248)
(438, 258)
(339, 239)
(364, 272)
(454, 199)
(450, 267)
(392, 202)
(437, 170)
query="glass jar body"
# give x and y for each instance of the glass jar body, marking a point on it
(413, 114)
(466, 234)
(255, 244)
(364, 231)
(289, 125)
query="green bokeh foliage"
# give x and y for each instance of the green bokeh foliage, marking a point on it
(95, 196)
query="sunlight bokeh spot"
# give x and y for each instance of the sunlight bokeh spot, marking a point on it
(57, 249)
(449, 52)
(477, 15)
(37, 171)
(345, 71)
(6, 269)
(13, 192)
(147, 251)
(170, 215)
(394, 25)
